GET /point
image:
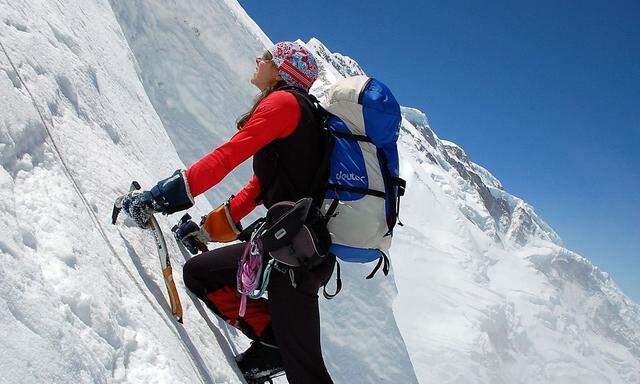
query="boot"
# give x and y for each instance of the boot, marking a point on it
(260, 361)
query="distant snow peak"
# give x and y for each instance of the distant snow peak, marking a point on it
(343, 64)
(479, 195)
(415, 117)
(332, 67)
(455, 150)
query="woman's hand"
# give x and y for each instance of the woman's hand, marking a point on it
(191, 235)
(140, 206)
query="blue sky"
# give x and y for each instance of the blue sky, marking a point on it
(544, 94)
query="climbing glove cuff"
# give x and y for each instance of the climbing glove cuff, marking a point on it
(172, 194)
(220, 226)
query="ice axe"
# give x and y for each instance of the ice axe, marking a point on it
(163, 253)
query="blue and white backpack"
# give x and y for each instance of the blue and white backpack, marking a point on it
(357, 189)
(362, 198)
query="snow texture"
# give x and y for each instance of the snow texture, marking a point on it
(97, 93)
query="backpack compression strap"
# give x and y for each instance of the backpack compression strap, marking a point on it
(330, 296)
(402, 185)
(384, 261)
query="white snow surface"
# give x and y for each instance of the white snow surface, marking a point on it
(481, 289)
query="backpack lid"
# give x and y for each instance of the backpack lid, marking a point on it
(367, 107)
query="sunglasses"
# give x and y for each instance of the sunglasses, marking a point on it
(266, 56)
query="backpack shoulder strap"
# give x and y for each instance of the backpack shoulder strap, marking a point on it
(317, 108)
(320, 181)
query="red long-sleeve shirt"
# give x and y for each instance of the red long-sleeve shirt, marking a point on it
(276, 116)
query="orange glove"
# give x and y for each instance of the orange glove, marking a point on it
(220, 226)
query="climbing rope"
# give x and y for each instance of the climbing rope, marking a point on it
(249, 271)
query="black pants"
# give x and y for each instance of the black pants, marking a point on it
(290, 317)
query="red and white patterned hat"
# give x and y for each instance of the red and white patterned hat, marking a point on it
(296, 65)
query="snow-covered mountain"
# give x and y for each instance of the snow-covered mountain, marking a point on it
(96, 94)
(335, 66)
(480, 196)
(500, 299)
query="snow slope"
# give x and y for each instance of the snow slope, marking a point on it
(83, 301)
(194, 58)
(481, 290)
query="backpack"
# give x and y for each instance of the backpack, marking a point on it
(357, 188)
(362, 195)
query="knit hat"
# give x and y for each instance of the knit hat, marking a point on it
(295, 64)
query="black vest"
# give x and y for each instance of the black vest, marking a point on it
(287, 167)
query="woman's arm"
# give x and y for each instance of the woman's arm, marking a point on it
(275, 117)
(245, 200)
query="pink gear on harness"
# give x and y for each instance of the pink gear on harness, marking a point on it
(249, 272)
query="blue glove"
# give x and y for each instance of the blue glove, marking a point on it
(191, 235)
(140, 206)
(172, 194)
(168, 196)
